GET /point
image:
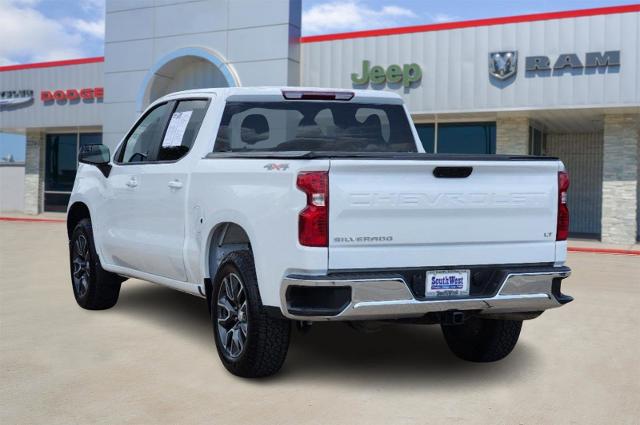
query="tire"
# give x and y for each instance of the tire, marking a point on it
(482, 340)
(250, 342)
(93, 287)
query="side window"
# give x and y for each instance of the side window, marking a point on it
(142, 144)
(182, 130)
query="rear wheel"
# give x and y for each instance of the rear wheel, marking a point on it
(93, 287)
(482, 340)
(250, 343)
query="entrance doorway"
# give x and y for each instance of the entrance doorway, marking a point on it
(582, 155)
(61, 164)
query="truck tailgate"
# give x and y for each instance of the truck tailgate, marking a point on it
(397, 213)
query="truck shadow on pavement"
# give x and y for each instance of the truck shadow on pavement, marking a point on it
(401, 354)
(398, 354)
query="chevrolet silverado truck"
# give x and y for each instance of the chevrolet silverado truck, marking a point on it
(293, 205)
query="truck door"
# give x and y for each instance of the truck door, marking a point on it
(162, 193)
(122, 223)
(145, 214)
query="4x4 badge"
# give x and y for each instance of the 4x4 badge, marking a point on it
(277, 167)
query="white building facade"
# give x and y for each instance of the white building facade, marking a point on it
(565, 84)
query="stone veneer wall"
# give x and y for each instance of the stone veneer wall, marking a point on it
(512, 135)
(620, 179)
(34, 173)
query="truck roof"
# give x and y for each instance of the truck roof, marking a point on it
(271, 91)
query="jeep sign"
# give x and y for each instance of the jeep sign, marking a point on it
(405, 74)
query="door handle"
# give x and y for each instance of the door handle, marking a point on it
(175, 184)
(132, 182)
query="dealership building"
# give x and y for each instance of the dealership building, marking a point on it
(563, 84)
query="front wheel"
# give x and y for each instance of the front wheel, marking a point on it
(482, 340)
(250, 343)
(93, 287)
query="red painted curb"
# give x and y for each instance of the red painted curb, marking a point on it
(33, 220)
(604, 251)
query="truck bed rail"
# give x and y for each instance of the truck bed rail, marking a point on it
(414, 156)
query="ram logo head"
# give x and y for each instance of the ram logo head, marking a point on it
(503, 65)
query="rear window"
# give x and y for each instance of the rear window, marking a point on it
(314, 126)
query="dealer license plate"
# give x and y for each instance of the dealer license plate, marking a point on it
(447, 283)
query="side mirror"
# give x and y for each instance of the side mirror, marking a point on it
(94, 155)
(97, 155)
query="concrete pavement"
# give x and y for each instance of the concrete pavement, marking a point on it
(151, 358)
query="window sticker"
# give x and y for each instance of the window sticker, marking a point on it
(176, 129)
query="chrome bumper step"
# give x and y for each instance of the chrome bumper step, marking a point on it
(389, 297)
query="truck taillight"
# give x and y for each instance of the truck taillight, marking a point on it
(313, 223)
(562, 231)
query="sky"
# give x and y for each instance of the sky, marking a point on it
(45, 30)
(12, 144)
(325, 17)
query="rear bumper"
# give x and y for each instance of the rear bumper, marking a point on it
(388, 295)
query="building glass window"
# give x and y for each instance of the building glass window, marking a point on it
(471, 138)
(61, 165)
(60, 159)
(90, 139)
(536, 141)
(427, 134)
(474, 138)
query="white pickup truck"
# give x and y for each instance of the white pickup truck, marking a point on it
(284, 205)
